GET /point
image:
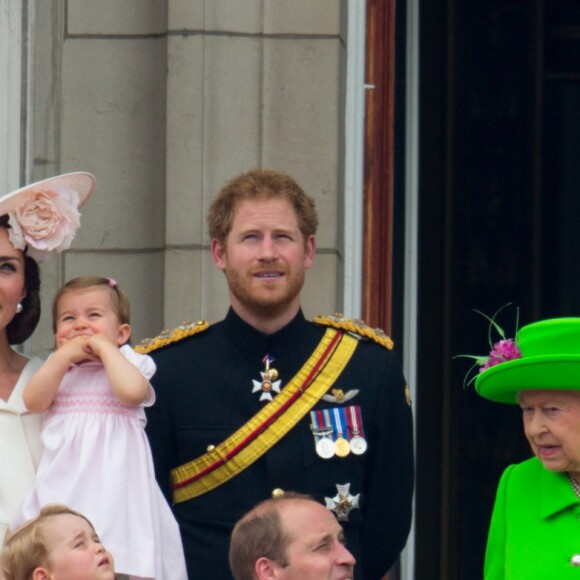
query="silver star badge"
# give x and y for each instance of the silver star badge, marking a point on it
(266, 387)
(268, 384)
(343, 502)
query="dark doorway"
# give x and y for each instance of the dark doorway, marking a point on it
(499, 223)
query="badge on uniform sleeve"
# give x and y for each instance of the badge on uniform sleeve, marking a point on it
(343, 502)
(268, 384)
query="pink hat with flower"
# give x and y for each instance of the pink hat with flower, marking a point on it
(44, 216)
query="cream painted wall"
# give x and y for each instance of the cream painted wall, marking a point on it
(163, 102)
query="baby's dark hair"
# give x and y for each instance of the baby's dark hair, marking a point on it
(119, 298)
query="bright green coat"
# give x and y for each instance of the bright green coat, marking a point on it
(535, 526)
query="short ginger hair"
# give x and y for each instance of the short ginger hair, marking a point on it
(260, 184)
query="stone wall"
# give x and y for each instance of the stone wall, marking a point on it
(165, 101)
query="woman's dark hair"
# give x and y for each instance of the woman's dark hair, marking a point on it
(23, 325)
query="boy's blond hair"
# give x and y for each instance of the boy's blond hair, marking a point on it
(26, 548)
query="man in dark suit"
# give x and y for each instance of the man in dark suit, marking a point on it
(265, 400)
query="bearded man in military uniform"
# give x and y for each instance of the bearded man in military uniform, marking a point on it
(266, 400)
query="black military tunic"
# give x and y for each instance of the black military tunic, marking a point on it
(204, 387)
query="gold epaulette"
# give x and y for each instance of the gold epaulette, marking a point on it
(166, 337)
(355, 326)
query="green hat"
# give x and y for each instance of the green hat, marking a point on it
(550, 360)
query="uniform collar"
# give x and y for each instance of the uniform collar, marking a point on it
(247, 338)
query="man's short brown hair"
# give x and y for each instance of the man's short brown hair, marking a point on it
(260, 184)
(260, 533)
(26, 548)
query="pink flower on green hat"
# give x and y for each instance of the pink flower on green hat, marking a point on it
(502, 351)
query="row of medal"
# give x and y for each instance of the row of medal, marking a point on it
(338, 431)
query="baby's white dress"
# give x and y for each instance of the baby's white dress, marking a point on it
(97, 460)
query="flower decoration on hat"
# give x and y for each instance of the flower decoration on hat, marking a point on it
(502, 350)
(44, 217)
(46, 223)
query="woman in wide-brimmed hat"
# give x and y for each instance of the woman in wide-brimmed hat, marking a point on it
(36, 222)
(535, 527)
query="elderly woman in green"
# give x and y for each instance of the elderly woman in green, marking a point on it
(535, 526)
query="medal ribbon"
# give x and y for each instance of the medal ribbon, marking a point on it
(337, 422)
(315, 423)
(321, 424)
(270, 424)
(329, 423)
(354, 421)
(343, 421)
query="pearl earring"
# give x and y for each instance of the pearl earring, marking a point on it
(19, 308)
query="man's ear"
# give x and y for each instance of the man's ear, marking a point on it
(309, 251)
(266, 569)
(218, 253)
(123, 334)
(40, 574)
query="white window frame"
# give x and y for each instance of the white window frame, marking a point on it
(353, 203)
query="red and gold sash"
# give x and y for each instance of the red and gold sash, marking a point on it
(270, 424)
